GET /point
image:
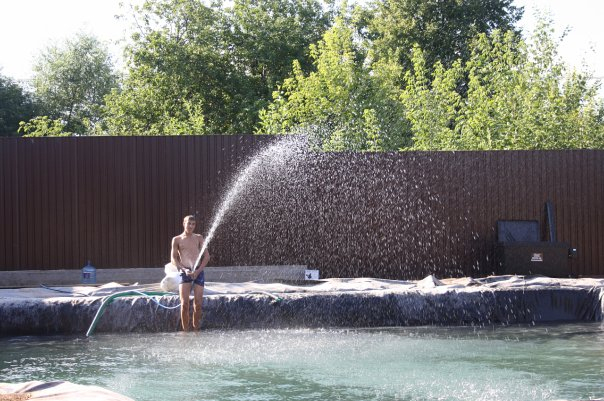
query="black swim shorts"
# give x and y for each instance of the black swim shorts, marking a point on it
(200, 280)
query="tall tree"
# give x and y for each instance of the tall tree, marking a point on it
(221, 61)
(16, 105)
(268, 35)
(442, 29)
(71, 80)
(520, 96)
(348, 104)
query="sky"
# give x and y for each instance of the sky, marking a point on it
(584, 43)
(27, 27)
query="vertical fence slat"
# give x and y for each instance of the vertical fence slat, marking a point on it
(92, 169)
(28, 198)
(54, 188)
(5, 206)
(18, 205)
(39, 229)
(599, 238)
(132, 213)
(105, 238)
(148, 191)
(142, 205)
(572, 207)
(164, 174)
(10, 174)
(582, 178)
(590, 204)
(117, 206)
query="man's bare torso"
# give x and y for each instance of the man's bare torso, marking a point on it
(188, 248)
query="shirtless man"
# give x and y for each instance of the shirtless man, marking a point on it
(185, 250)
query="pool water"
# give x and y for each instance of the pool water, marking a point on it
(427, 363)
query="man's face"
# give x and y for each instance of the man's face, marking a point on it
(189, 225)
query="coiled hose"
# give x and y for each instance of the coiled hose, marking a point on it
(107, 300)
(150, 295)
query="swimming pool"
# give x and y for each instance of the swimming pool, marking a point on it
(544, 362)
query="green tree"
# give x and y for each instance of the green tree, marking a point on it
(442, 29)
(520, 96)
(71, 80)
(210, 67)
(16, 105)
(268, 35)
(432, 106)
(150, 104)
(353, 104)
(42, 126)
(175, 68)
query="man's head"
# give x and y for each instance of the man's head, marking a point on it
(189, 224)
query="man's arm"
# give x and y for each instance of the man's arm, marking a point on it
(175, 256)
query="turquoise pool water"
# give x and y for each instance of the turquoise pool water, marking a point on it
(427, 363)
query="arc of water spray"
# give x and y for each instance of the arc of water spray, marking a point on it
(276, 153)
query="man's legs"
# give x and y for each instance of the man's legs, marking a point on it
(197, 303)
(184, 290)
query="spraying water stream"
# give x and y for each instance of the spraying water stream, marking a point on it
(313, 208)
(275, 155)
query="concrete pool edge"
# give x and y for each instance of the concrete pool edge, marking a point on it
(149, 275)
(337, 303)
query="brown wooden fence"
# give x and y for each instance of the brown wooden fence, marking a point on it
(117, 201)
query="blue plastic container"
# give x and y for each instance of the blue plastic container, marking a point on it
(88, 274)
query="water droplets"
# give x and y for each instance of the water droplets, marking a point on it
(347, 214)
